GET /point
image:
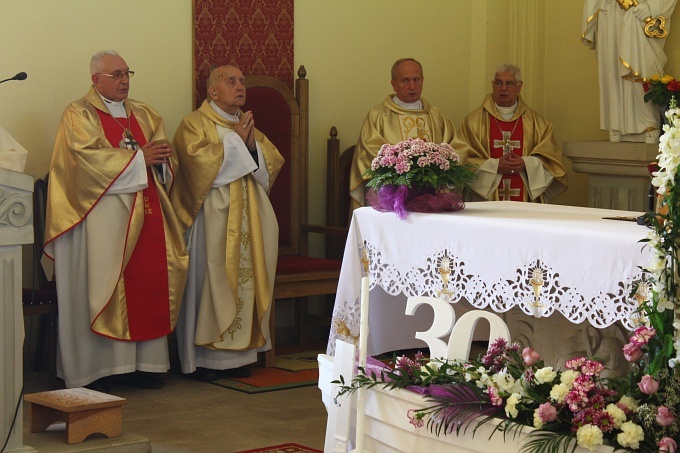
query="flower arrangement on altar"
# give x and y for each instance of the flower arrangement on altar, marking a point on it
(659, 89)
(415, 175)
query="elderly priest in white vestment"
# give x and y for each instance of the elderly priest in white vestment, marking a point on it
(226, 170)
(119, 256)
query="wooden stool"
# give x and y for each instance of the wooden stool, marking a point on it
(85, 412)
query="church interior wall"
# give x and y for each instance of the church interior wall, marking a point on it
(346, 46)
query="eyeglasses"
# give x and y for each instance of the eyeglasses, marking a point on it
(508, 84)
(118, 75)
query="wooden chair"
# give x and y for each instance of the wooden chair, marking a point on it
(41, 298)
(337, 193)
(283, 117)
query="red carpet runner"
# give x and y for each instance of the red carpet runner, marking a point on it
(285, 448)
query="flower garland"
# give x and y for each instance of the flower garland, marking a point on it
(574, 406)
(658, 295)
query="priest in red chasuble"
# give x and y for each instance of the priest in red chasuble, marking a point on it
(513, 146)
(120, 259)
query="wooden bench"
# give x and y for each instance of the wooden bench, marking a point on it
(84, 411)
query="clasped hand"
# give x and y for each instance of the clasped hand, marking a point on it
(156, 153)
(245, 129)
(642, 11)
(510, 164)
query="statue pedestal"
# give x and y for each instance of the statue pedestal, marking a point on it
(618, 176)
(16, 228)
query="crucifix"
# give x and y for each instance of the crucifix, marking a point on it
(507, 144)
(506, 192)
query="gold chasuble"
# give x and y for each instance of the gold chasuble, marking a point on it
(526, 134)
(241, 232)
(390, 123)
(135, 292)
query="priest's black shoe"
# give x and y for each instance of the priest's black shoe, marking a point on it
(241, 372)
(146, 380)
(100, 385)
(204, 375)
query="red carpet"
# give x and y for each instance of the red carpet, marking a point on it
(270, 379)
(285, 448)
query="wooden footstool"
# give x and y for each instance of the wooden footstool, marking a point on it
(85, 412)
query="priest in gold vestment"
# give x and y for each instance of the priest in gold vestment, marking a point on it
(120, 260)
(226, 169)
(513, 147)
(401, 116)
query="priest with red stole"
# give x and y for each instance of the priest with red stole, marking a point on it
(512, 145)
(120, 259)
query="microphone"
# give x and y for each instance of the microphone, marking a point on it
(19, 76)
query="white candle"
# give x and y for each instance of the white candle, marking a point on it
(363, 344)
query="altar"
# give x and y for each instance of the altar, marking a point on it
(554, 273)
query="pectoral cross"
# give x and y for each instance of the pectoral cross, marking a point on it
(507, 144)
(506, 192)
(128, 141)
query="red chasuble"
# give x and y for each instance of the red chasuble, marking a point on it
(146, 274)
(505, 137)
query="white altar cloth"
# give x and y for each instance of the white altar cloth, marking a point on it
(538, 258)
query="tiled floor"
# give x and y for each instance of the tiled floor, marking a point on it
(189, 416)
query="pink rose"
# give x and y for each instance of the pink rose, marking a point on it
(530, 356)
(648, 385)
(547, 412)
(667, 445)
(664, 417)
(632, 352)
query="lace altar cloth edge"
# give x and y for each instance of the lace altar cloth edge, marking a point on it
(542, 259)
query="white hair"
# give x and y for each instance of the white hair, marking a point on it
(511, 68)
(96, 60)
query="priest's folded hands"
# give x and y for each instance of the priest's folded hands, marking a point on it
(156, 152)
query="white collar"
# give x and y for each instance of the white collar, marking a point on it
(223, 114)
(507, 112)
(418, 105)
(115, 108)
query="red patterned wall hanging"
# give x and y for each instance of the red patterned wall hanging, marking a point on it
(255, 35)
